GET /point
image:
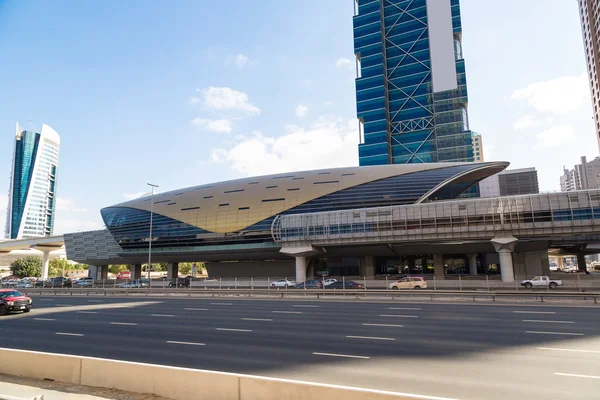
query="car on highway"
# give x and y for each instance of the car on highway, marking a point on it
(344, 285)
(180, 282)
(310, 284)
(329, 281)
(541, 281)
(25, 284)
(282, 283)
(12, 300)
(59, 281)
(87, 281)
(135, 284)
(9, 282)
(409, 282)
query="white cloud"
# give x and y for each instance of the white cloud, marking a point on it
(344, 62)
(555, 136)
(557, 96)
(194, 100)
(68, 205)
(215, 125)
(224, 98)
(239, 60)
(530, 121)
(330, 142)
(301, 110)
(328, 103)
(133, 196)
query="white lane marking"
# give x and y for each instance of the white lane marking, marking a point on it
(221, 304)
(287, 312)
(234, 330)
(340, 355)
(571, 350)
(548, 321)
(196, 309)
(123, 323)
(555, 333)
(577, 375)
(534, 312)
(96, 301)
(44, 319)
(390, 325)
(305, 306)
(399, 316)
(68, 334)
(404, 308)
(189, 343)
(162, 315)
(369, 337)
(87, 312)
(257, 319)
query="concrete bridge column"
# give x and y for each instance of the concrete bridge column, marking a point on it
(310, 269)
(505, 246)
(368, 266)
(102, 272)
(559, 262)
(438, 266)
(300, 269)
(136, 271)
(472, 264)
(172, 270)
(45, 264)
(581, 264)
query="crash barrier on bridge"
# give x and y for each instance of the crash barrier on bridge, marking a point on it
(176, 383)
(536, 294)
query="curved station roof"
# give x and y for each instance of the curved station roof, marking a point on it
(197, 215)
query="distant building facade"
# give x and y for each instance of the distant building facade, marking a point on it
(510, 183)
(411, 86)
(478, 148)
(583, 176)
(32, 192)
(589, 12)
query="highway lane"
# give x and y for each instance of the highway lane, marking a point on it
(462, 351)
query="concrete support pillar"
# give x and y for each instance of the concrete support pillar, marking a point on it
(472, 264)
(136, 271)
(581, 264)
(45, 264)
(505, 246)
(438, 266)
(300, 269)
(559, 262)
(93, 272)
(310, 269)
(368, 266)
(103, 272)
(172, 270)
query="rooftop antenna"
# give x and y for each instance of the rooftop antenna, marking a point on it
(33, 126)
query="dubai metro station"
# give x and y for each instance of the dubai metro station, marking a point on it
(228, 224)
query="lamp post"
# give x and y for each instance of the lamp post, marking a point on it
(150, 241)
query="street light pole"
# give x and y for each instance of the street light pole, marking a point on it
(150, 241)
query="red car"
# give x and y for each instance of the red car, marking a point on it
(12, 300)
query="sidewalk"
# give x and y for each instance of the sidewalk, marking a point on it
(29, 388)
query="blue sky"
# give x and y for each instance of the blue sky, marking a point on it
(185, 92)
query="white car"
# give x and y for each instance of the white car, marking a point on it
(329, 281)
(25, 284)
(542, 281)
(282, 283)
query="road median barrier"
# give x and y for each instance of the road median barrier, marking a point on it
(177, 383)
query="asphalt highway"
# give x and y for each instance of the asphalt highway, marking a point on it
(462, 351)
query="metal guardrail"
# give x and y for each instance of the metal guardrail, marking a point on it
(319, 293)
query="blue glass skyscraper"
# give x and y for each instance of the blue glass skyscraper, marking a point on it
(411, 89)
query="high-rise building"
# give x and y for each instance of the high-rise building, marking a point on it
(589, 12)
(32, 191)
(411, 87)
(583, 176)
(511, 182)
(478, 147)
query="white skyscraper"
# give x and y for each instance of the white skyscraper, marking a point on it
(32, 191)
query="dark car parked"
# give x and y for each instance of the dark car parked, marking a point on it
(344, 285)
(310, 284)
(12, 300)
(180, 282)
(59, 281)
